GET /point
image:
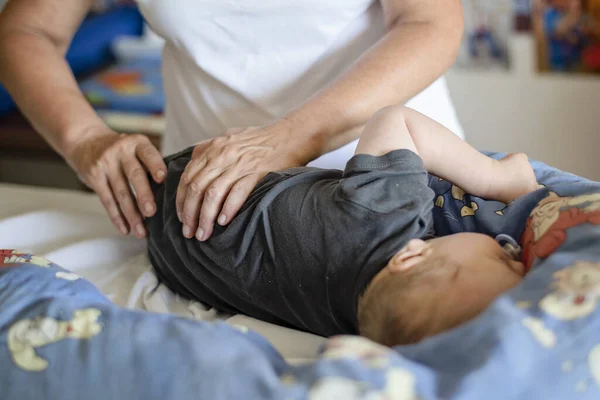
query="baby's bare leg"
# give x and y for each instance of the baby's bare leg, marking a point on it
(514, 177)
(384, 132)
(446, 155)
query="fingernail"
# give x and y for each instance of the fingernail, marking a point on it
(179, 216)
(200, 233)
(160, 174)
(140, 230)
(187, 232)
(123, 229)
(222, 219)
(149, 208)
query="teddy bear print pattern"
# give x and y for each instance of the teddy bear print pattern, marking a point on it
(10, 258)
(26, 335)
(574, 291)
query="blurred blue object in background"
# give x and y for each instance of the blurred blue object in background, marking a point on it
(130, 86)
(91, 46)
(6, 103)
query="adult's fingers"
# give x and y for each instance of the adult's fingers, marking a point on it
(237, 196)
(233, 131)
(122, 193)
(190, 171)
(151, 159)
(109, 202)
(200, 160)
(193, 198)
(212, 202)
(136, 175)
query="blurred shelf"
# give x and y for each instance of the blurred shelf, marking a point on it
(17, 137)
(26, 158)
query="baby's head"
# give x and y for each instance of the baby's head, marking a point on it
(431, 286)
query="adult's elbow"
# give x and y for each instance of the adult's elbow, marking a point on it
(13, 38)
(452, 31)
(440, 27)
(445, 35)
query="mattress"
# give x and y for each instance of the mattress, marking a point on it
(71, 229)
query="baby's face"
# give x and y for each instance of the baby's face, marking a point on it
(481, 271)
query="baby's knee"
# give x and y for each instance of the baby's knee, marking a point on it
(394, 112)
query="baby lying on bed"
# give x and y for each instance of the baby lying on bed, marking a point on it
(332, 252)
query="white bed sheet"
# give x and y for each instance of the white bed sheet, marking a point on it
(71, 229)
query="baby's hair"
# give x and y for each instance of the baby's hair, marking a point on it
(401, 309)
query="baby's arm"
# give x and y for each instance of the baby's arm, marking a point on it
(446, 155)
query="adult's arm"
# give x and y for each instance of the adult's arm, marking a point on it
(34, 37)
(421, 42)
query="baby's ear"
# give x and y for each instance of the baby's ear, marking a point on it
(400, 262)
(410, 255)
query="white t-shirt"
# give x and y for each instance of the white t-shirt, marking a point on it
(236, 63)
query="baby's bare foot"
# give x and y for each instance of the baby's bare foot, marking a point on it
(515, 178)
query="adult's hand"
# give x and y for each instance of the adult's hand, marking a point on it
(115, 166)
(223, 172)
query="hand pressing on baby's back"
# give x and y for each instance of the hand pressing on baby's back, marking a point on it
(115, 166)
(224, 171)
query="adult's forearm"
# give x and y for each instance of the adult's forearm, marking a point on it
(34, 71)
(404, 62)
